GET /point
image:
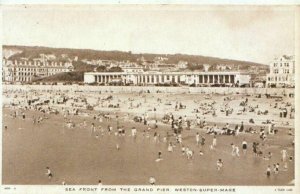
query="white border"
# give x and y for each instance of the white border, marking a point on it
(199, 2)
(17, 189)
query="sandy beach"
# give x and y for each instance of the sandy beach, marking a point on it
(78, 156)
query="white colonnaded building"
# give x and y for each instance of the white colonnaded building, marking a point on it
(154, 78)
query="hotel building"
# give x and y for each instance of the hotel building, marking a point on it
(26, 71)
(282, 72)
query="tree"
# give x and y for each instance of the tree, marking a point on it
(115, 69)
(101, 68)
(81, 66)
(193, 67)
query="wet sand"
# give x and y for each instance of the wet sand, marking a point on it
(79, 158)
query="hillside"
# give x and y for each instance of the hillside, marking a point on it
(195, 62)
(33, 52)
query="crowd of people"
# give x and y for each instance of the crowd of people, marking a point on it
(172, 129)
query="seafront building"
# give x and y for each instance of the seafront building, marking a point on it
(28, 70)
(153, 78)
(282, 72)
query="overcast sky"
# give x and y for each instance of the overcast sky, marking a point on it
(242, 32)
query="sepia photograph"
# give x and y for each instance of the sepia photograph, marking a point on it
(153, 95)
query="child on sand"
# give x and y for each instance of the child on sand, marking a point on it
(152, 180)
(277, 168)
(183, 150)
(159, 157)
(48, 173)
(219, 164)
(269, 171)
(201, 153)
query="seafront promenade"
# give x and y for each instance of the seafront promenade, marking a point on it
(152, 89)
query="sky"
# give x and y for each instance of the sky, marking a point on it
(250, 33)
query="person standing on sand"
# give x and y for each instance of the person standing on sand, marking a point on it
(236, 151)
(202, 140)
(155, 136)
(197, 139)
(244, 146)
(133, 132)
(283, 155)
(84, 123)
(198, 121)
(159, 157)
(109, 129)
(269, 171)
(170, 147)
(214, 142)
(254, 147)
(93, 129)
(277, 168)
(232, 149)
